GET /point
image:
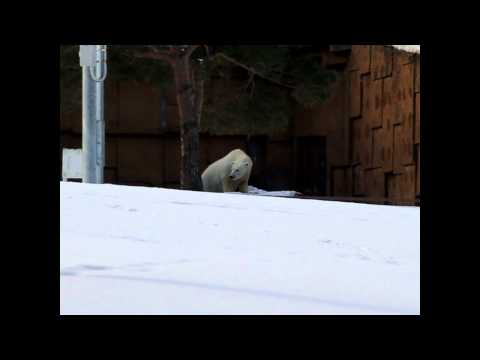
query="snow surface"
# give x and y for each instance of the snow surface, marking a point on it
(136, 250)
(408, 48)
(284, 193)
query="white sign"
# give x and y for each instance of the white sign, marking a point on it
(72, 164)
(88, 55)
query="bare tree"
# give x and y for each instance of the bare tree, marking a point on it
(189, 92)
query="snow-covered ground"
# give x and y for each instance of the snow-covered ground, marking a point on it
(136, 250)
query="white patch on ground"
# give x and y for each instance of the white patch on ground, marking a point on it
(285, 193)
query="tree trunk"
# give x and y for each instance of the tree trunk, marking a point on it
(190, 178)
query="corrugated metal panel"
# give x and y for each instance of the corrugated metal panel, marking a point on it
(139, 109)
(417, 75)
(382, 61)
(141, 160)
(398, 139)
(373, 103)
(417, 119)
(379, 139)
(418, 171)
(360, 58)
(375, 183)
(358, 181)
(355, 94)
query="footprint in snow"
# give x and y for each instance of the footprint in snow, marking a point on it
(94, 267)
(324, 241)
(75, 270)
(68, 273)
(114, 206)
(392, 261)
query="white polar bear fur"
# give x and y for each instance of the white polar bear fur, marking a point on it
(228, 174)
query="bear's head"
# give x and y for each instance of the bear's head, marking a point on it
(241, 168)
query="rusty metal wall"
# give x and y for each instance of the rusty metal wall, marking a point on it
(372, 126)
(384, 111)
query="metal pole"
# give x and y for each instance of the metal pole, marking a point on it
(93, 62)
(100, 123)
(89, 129)
(100, 133)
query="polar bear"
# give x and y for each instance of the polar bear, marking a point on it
(228, 174)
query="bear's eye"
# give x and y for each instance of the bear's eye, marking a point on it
(246, 165)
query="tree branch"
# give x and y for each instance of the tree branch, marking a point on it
(199, 91)
(252, 70)
(155, 50)
(190, 50)
(250, 80)
(252, 88)
(207, 51)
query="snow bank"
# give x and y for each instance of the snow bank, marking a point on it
(408, 48)
(254, 191)
(135, 250)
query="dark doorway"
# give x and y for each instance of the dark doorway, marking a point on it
(257, 150)
(311, 169)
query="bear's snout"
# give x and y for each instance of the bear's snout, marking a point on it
(234, 174)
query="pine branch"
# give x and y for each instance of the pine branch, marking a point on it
(190, 50)
(199, 92)
(252, 70)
